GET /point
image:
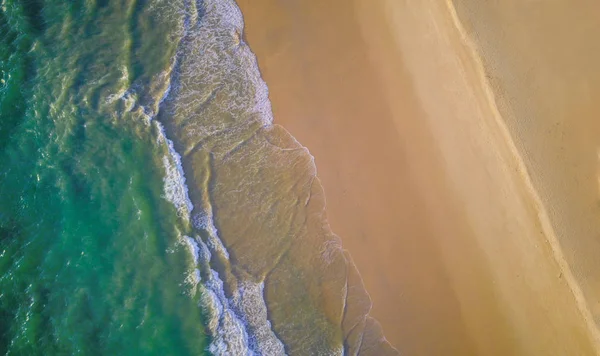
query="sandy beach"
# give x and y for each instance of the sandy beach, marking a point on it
(425, 184)
(543, 69)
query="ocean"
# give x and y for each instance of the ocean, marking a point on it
(148, 204)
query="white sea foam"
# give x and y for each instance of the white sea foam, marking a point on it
(193, 247)
(220, 57)
(123, 91)
(203, 220)
(227, 329)
(238, 323)
(176, 191)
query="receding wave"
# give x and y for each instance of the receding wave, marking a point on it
(273, 277)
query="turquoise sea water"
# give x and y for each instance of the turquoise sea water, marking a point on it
(104, 249)
(90, 261)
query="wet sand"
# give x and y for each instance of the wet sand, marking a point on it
(422, 184)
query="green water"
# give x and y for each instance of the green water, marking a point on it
(113, 243)
(91, 259)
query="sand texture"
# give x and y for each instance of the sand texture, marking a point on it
(458, 151)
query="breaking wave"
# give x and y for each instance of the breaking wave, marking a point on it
(272, 277)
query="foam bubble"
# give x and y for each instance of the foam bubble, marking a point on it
(212, 55)
(176, 191)
(238, 324)
(193, 248)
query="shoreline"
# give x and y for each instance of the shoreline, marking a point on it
(263, 261)
(369, 199)
(454, 277)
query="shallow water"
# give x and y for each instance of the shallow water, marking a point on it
(104, 248)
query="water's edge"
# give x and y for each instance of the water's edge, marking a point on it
(275, 278)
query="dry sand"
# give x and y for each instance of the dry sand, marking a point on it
(542, 61)
(423, 182)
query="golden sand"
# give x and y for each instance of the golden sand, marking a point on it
(460, 249)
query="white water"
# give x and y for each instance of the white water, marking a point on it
(238, 323)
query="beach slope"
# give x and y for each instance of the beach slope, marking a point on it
(428, 183)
